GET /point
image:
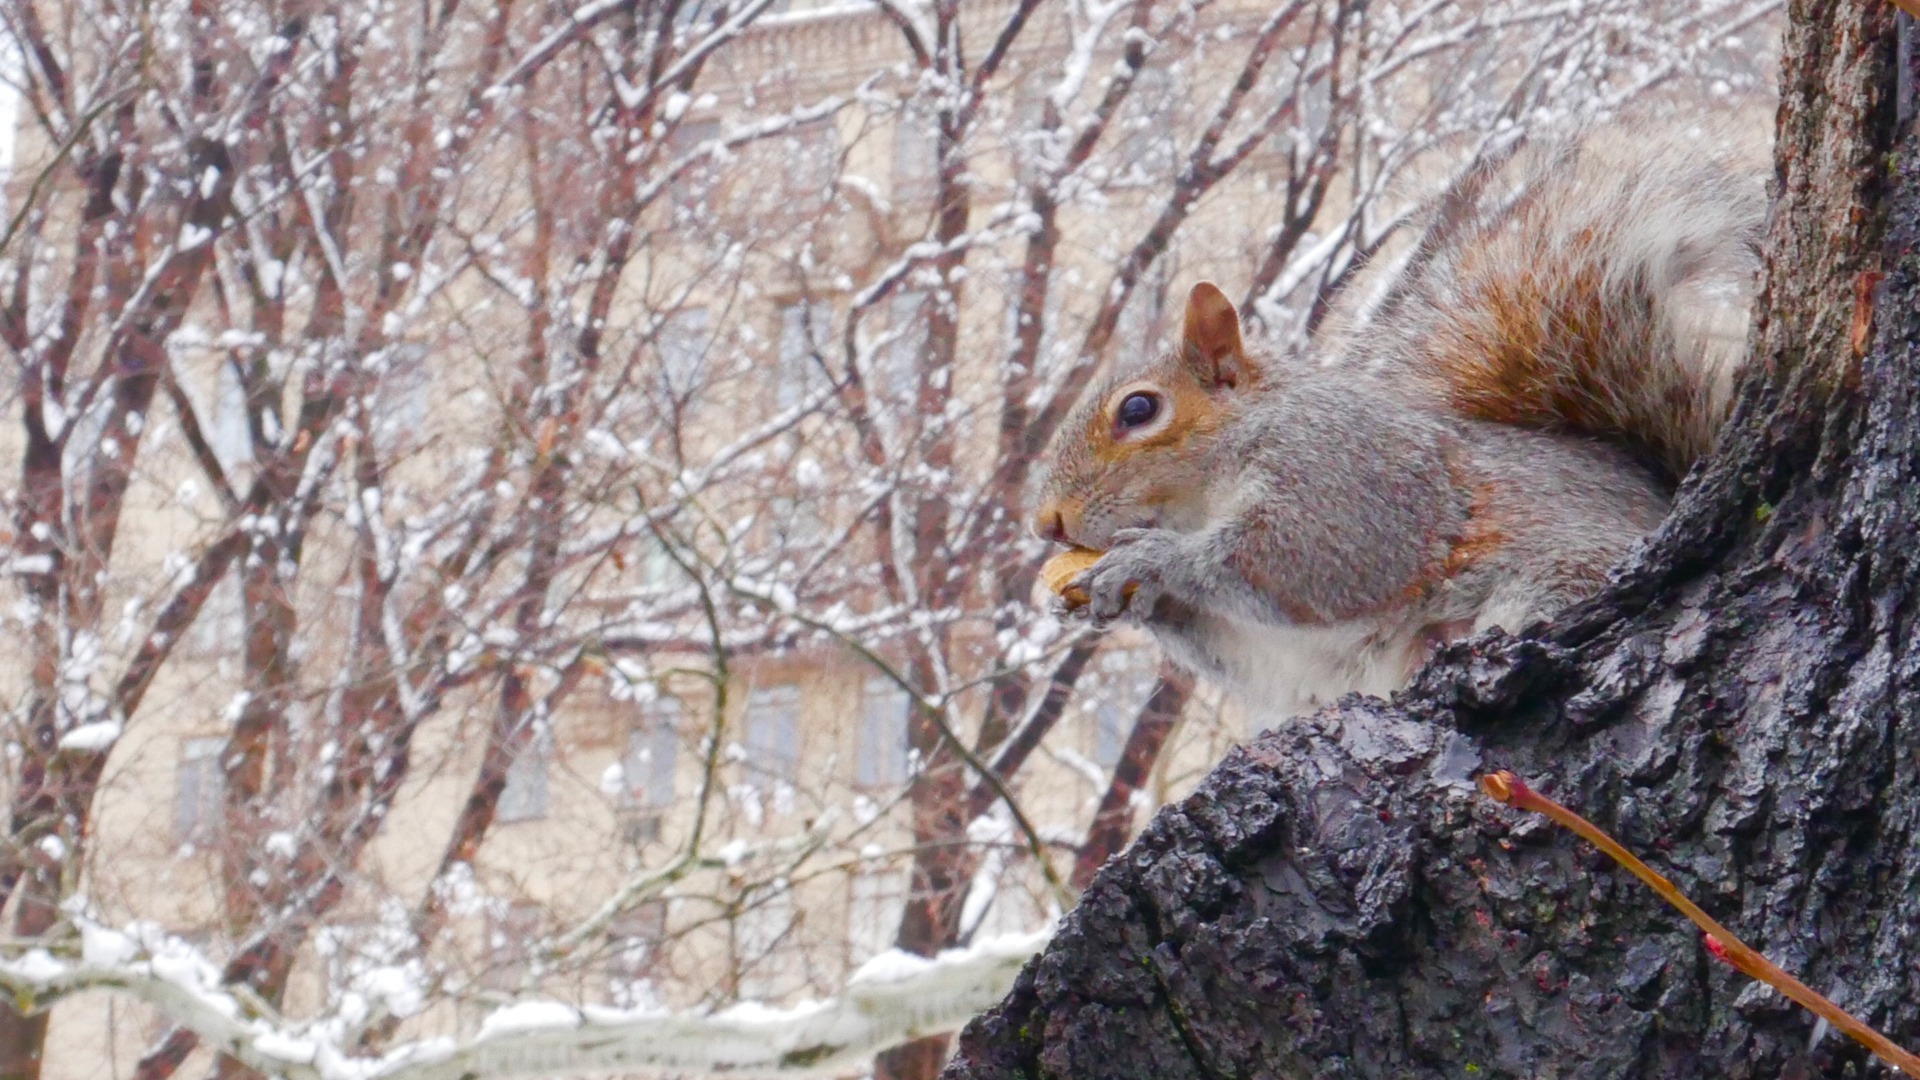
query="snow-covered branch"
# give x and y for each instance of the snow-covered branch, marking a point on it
(892, 998)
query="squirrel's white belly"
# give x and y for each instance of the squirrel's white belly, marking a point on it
(1282, 671)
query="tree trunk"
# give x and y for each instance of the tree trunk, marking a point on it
(1742, 708)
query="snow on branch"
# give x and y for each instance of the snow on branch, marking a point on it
(892, 998)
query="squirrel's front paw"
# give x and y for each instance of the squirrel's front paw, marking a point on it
(1128, 579)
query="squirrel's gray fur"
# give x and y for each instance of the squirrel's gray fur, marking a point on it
(1487, 426)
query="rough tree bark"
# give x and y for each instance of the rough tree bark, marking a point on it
(1742, 707)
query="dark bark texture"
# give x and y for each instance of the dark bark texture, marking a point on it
(1742, 707)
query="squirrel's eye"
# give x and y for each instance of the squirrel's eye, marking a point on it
(1137, 410)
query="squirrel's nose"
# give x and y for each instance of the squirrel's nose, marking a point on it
(1050, 524)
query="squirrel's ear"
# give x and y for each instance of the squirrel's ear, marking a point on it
(1210, 343)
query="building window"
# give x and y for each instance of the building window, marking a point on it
(760, 944)
(511, 934)
(1126, 678)
(1010, 316)
(684, 340)
(220, 628)
(881, 760)
(1139, 329)
(1012, 910)
(1147, 140)
(84, 440)
(1109, 733)
(199, 792)
(812, 158)
(525, 796)
(797, 522)
(693, 13)
(635, 936)
(1031, 144)
(873, 914)
(658, 570)
(400, 401)
(653, 747)
(805, 330)
(907, 325)
(231, 439)
(916, 156)
(1313, 110)
(773, 732)
(689, 189)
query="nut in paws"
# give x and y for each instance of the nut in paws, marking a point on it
(1127, 578)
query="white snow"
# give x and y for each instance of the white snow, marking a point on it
(896, 965)
(36, 965)
(96, 736)
(891, 998)
(890, 966)
(105, 947)
(613, 780)
(31, 564)
(760, 1014)
(275, 1044)
(529, 1016)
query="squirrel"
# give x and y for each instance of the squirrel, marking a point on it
(1481, 433)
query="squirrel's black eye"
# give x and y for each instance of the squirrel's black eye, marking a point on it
(1137, 410)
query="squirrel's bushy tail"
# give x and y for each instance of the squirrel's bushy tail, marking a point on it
(1603, 289)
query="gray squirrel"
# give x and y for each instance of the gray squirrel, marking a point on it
(1479, 436)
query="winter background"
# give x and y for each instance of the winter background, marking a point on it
(513, 511)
